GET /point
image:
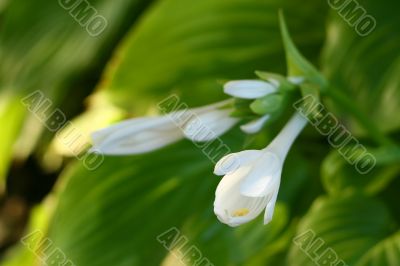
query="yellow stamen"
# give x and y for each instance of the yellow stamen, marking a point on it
(240, 212)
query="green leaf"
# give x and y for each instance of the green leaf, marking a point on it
(201, 44)
(113, 215)
(297, 64)
(366, 68)
(309, 89)
(116, 212)
(47, 50)
(119, 209)
(350, 226)
(204, 41)
(11, 114)
(387, 252)
(339, 176)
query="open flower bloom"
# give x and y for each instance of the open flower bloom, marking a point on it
(145, 134)
(252, 178)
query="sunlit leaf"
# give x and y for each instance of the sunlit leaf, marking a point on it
(43, 47)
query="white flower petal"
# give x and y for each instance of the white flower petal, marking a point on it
(128, 129)
(146, 134)
(266, 171)
(139, 143)
(209, 125)
(230, 206)
(233, 161)
(249, 89)
(254, 184)
(169, 120)
(131, 125)
(255, 125)
(232, 179)
(135, 136)
(250, 210)
(269, 210)
(213, 106)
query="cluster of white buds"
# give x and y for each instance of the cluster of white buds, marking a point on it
(251, 177)
(146, 134)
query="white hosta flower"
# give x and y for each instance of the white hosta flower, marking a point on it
(251, 178)
(135, 136)
(249, 89)
(209, 125)
(141, 135)
(255, 125)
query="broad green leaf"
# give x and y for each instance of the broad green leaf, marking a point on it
(347, 227)
(114, 214)
(118, 208)
(252, 238)
(297, 64)
(386, 252)
(43, 47)
(338, 175)
(11, 114)
(203, 43)
(366, 68)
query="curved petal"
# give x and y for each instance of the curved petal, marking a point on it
(255, 125)
(266, 171)
(248, 211)
(212, 106)
(138, 143)
(231, 207)
(130, 126)
(233, 161)
(209, 125)
(269, 210)
(249, 89)
(135, 136)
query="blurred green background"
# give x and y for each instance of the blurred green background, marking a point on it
(150, 49)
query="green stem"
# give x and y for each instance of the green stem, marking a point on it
(349, 106)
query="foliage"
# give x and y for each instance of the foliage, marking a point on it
(152, 49)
